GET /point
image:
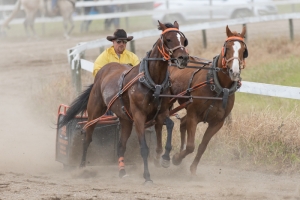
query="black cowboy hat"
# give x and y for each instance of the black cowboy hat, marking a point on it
(119, 34)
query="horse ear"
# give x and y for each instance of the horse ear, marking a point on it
(176, 25)
(161, 26)
(228, 32)
(243, 32)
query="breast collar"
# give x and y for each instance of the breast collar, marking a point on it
(215, 84)
(147, 80)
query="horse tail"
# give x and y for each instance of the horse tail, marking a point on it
(13, 14)
(78, 106)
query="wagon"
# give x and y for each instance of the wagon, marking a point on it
(103, 149)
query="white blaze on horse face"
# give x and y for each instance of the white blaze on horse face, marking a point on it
(179, 36)
(236, 64)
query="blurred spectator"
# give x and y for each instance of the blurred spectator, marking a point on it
(115, 21)
(88, 11)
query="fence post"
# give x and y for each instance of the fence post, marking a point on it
(246, 35)
(126, 18)
(76, 71)
(77, 75)
(204, 38)
(291, 29)
(210, 11)
(132, 46)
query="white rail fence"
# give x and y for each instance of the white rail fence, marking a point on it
(77, 63)
(247, 87)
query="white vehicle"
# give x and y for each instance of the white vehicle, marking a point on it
(204, 10)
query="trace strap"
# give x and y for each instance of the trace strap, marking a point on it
(114, 99)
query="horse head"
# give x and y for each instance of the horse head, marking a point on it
(233, 53)
(172, 44)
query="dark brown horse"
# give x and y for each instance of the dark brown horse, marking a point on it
(221, 80)
(133, 94)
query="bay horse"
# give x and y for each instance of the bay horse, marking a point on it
(132, 93)
(31, 8)
(221, 79)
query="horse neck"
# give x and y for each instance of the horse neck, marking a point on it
(157, 68)
(224, 79)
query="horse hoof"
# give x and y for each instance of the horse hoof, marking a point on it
(164, 163)
(82, 165)
(122, 173)
(175, 160)
(126, 175)
(193, 170)
(66, 36)
(147, 183)
(157, 162)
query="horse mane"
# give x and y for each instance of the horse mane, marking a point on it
(168, 25)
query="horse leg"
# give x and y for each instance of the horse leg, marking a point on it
(30, 22)
(139, 120)
(67, 19)
(65, 25)
(26, 27)
(191, 124)
(31, 25)
(71, 22)
(95, 110)
(87, 140)
(126, 128)
(166, 157)
(159, 149)
(211, 130)
(183, 132)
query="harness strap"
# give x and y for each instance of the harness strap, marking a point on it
(114, 99)
(188, 91)
(185, 104)
(195, 87)
(209, 109)
(120, 95)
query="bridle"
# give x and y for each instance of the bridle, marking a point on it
(245, 55)
(164, 48)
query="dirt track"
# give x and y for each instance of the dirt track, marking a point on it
(27, 147)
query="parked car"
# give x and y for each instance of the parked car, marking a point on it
(204, 10)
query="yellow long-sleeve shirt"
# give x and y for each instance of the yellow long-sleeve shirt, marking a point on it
(109, 55)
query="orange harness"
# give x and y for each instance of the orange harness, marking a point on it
(113, 100)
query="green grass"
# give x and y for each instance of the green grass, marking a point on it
(284, 72)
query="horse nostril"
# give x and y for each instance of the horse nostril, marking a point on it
(230, 70)
(183, 57)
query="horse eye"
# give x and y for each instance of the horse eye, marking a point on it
(168, 40)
